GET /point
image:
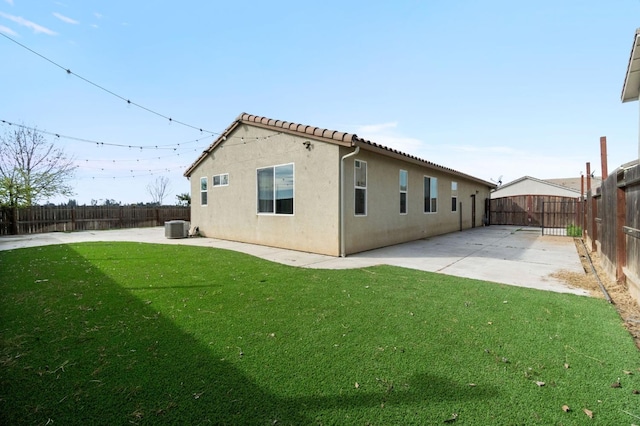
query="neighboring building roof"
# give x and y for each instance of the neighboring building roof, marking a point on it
(555, 187)
(325, 135)
(576, 182)
(631, 86)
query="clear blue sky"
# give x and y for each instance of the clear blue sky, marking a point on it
(489, 88)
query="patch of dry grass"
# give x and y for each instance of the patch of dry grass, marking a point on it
(626, 305)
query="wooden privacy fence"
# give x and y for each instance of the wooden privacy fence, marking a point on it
(612, 225)
(38, 219)
(554, 214)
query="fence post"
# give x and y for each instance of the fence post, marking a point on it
(542, 218)
(621, 243)
(594, 223)
(13, 220)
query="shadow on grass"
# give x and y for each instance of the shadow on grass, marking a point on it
(79, 349)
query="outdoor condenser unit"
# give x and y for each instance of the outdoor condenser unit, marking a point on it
(176, 229)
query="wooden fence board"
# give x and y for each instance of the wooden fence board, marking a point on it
(39, 219)
(632, 192)
(528, 210)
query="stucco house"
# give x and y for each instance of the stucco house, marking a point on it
(305, 188)
(528, 185)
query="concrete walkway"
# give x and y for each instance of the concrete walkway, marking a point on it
(504, 254)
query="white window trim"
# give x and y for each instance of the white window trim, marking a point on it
(404, 191)
(274, 191)
(431, 198)
(205, 191)
(356, 187)
(221, 175)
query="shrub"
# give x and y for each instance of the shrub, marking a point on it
(574, 231)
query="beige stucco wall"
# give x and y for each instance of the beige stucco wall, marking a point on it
(384, 225)
(231, 211)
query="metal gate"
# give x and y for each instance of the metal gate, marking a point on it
(563, 218)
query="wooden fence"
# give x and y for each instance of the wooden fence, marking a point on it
(38, 219)
(612, 228)
(548, 211)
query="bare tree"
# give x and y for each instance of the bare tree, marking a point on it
(158, 189)
(32, 169)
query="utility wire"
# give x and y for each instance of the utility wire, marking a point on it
(128, 101)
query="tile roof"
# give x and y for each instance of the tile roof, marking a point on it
(331, 136)
(576, 182)
(298, 128)
(549, 182)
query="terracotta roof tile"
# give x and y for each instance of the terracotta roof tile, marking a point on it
(329, 135)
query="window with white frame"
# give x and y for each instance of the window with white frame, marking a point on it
(276, 189)
(221, 179)
(404, 178)
(454, 196)
(360, 183)
(430, 194)
(203, 191)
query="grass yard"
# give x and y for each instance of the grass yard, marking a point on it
(130, 333)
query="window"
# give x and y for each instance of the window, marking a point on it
(360, 181)
(454, 196)
(275, 189)
(430, 194)
(403, 191)
(203, 191)
(221, 180)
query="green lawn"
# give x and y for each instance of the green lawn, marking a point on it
(128, 333)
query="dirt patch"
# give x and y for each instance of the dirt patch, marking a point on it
(627, 307)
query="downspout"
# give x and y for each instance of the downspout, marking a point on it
(344, 157)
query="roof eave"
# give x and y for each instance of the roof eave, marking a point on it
(631, 86)
(347, 140)
(389, 152)
(218, 141)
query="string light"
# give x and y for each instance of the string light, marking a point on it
(100, 143)
(137, 173)
(128, 101)
(141, 147)
(124, 160)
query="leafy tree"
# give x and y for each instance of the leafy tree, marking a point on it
(158, 189)
(184, 199)
(32, 169)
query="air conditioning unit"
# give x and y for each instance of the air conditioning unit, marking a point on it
(176, 229)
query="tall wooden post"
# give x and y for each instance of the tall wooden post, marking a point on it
(603, 157)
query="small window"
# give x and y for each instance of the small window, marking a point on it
(360, 181)
(403, 191)
(275, 189)
(430, 194)
(454, 196)
(203, 191)
(221, 180)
